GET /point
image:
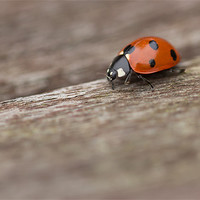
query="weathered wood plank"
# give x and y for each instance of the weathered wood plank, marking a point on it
(88, 141)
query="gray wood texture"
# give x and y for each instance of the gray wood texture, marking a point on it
(84, 140)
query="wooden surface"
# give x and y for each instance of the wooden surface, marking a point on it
(90, 141)
(87, 141)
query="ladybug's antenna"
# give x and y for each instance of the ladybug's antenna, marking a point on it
(113, 86)
(105, 75)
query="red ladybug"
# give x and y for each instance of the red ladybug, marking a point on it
(145, 55)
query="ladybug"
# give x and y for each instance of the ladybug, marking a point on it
(145, 55)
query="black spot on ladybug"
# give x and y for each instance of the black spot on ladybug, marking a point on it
(153, 44)
(173, 54)
(129, 49)
(152, 62)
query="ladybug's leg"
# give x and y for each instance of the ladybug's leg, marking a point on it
(146, 81)
(113, 86)
(128, 78)
(110, 81)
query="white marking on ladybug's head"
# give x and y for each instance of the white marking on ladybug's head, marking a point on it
(111, 73)
(121, 72)
(109, 78)
(108, 70)
(121, 52)
(127, 56)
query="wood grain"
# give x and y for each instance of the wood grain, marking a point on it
(88, 141)
(84, 140)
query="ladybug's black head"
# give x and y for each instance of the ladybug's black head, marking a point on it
(111, 74)
(119, 68)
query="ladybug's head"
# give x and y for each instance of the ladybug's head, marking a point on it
(111, 74)
(119, 68)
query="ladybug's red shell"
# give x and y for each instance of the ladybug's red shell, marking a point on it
(151, 54)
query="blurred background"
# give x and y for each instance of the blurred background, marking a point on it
(46, 45)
